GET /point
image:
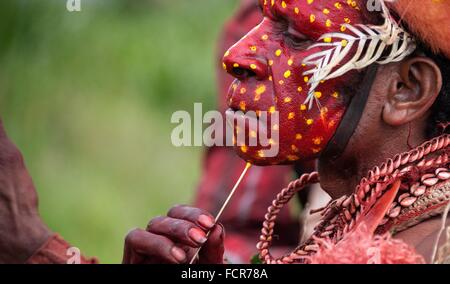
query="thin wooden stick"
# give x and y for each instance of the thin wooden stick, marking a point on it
(244, 172)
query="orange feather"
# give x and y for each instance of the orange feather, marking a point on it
(429, 20)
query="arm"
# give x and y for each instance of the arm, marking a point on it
(24, 237)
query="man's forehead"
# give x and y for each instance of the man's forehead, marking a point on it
(316, 16)
(282, 5)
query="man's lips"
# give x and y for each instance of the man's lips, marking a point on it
(249, 120)
(240, 117)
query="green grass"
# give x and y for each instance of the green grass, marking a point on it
(88, 98)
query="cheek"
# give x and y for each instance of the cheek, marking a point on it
(304, 132)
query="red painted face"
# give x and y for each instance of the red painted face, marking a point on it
(267, 63)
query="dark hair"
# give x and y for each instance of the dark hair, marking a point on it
(440, 111)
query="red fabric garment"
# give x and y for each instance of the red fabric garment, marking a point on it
(55, 251)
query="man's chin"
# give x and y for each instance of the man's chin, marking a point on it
(260, 160)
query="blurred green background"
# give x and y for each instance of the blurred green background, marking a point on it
(88, 98)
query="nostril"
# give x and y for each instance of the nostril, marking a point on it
(242, 73)
(238, 71)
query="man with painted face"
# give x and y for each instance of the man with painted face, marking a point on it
(364, 92)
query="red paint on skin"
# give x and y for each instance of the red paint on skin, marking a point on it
(265, 52)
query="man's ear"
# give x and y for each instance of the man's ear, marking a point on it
(412, 90)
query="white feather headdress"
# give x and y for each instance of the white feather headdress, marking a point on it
(375, 44)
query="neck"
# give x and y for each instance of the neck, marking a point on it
(340, 176)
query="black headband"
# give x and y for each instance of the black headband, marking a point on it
(352, 116)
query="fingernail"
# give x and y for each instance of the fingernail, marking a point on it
(206, 221)
(197, 235)
(179, 254)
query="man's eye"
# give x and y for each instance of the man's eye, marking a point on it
(295, 38)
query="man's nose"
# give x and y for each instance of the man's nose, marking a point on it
(243, 61)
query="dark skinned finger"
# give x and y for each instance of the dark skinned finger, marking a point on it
(213, 250)
(140, 244)
(178, 230)
(197, 216)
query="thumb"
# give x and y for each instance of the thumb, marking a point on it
(213, 249)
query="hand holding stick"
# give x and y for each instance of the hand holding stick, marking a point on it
(244, 172)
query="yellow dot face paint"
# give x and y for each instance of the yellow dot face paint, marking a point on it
(291, 115)
(260, 90)
(287, 74)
